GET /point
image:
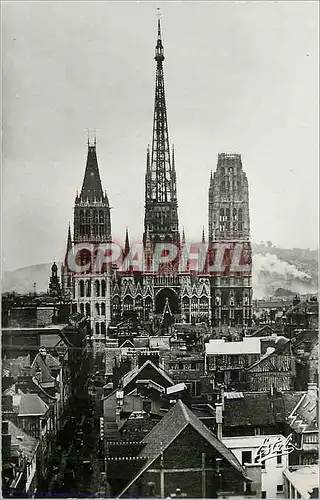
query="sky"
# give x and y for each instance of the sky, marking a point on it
(240, 77)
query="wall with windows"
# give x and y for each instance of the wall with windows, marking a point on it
(245, 448)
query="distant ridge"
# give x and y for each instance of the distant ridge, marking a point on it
(294, 270)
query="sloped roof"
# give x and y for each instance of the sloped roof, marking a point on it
(130, 376)
(41, 364)
(27, 444)
(32, 404)
(304, 416)
(91, 187)
(169, 428)
(265, 329)
(258, 409)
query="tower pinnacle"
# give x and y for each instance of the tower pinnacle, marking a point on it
(161, 215)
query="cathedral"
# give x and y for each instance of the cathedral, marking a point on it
(176, 292)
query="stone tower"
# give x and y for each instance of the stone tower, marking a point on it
(229, 223)
(92, 226)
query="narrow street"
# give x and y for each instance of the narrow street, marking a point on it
(78, 474)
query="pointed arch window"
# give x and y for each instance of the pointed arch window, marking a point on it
(103, 309)
(204, 303)
(82, 309)
(97, 288)
(98, 309)
(81, 286)
(88, 288)
(103, 328)
(97, 329)
(88, 310)
(103, 288)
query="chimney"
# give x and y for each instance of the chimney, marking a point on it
(219, 412)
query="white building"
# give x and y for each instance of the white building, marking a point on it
(245, 448)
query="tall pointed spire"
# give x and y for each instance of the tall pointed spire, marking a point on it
(126, 244)
(91, 186)
(69, 239)
(161, 198)
(183, 237)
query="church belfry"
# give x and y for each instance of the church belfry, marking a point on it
(229, 223)
(161, 207)
(92, 222)
(91, 292)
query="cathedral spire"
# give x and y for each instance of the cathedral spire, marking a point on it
(69, 239)
(126, 244)
(161, 213)
(203, 236)
(91, 187)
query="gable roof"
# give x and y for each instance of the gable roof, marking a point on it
(257, 409)
(263, 330)
(169, 428)
(27, 444)
(130, 376)
(304, 416)
(32, 405)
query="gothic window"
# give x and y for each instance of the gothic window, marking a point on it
(186, 303)
(82, 309)
(128, 303)
(228, 214)
(81, 286)
(116, 302)
(88, 310)
(103, 328)
(98, 309)
(240, 214)
(224, 297)
(203, 304)
(88, 288)
(139, 303)
(221, 214)
(235, 214)
(97, 329)
(97, 288)
(103, 309)
(194, 303)
(103, 288)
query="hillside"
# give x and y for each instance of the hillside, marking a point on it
(294, 269)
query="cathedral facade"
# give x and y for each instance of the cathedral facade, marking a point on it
(175, 291)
